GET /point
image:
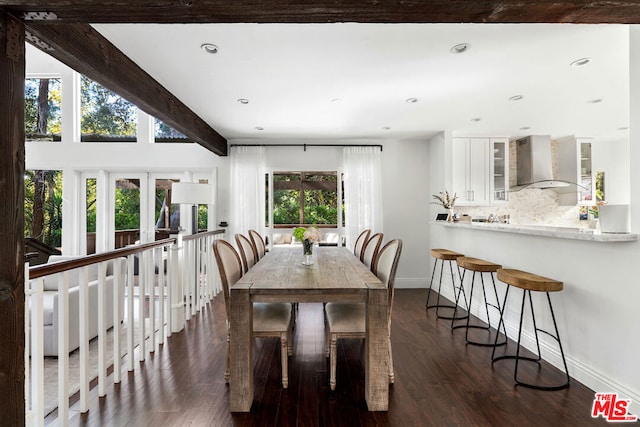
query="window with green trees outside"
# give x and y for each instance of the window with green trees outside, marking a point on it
(305, 198)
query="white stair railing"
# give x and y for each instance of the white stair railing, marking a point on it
(163, 268)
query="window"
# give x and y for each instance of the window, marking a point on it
(305, 198)
(166, 133)
(106, 117)
(43, 113)
(43, 206)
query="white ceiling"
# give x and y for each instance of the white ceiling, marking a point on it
(351, 81)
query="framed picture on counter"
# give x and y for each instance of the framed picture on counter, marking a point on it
(441, 217)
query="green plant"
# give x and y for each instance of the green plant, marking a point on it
(298, 233)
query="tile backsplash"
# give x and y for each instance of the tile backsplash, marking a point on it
(530, 206)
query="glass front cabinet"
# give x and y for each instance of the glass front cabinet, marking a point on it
(499, 167)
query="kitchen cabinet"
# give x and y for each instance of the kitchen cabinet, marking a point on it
(479, 170)
(575, 165)
(470, 166)
(499, 168)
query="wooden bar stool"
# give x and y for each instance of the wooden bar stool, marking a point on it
(480, 266)
(529, 282)
(446, 255)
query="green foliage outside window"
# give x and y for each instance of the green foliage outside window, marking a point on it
(599, 186)
(127, 204)
(92, 184)
(305, 198)
(43, 112)
(105, 115)
(43, 206)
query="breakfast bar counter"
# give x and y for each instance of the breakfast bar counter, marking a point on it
(544, 230)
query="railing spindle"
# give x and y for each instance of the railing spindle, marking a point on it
(83, 305)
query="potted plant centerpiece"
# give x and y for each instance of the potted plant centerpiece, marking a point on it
(447, 202)
(308, 236)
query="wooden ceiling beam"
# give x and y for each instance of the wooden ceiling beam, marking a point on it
(327, 11)
(85, 50)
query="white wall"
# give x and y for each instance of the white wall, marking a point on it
(612, 157)
(405, 185)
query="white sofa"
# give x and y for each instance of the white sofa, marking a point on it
(51, 325)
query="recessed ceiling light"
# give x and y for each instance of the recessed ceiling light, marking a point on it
(336, 100)
(594, 101)
(243, 101)
(516, 98)
(623, 128)
(412, 100)
(476, 119)
(259, 128)
(386, 128)
(580, 62)
(209, 48)
(525, 128)
(460, 48)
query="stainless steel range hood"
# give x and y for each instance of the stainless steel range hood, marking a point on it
(535, 166)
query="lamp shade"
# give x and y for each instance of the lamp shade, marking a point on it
(191, 193)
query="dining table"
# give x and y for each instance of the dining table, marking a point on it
(335, 275)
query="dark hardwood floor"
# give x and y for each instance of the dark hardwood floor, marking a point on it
(440, 381)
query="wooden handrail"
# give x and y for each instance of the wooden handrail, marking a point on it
(203, 234)
(57, 267)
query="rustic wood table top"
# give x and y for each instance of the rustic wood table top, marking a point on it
(334, 271)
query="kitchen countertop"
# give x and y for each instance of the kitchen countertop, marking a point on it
(544, 230)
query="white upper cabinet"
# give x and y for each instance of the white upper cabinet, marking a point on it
(574, 165)
(479, 170)
(470, 170)
(499, 170)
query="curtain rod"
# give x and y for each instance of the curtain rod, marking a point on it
(307, 145)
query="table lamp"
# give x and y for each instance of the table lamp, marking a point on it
(194, 194)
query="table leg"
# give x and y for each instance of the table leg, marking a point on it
(377, 357)
(241, 319)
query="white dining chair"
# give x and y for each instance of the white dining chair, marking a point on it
(269, 319)
(247, 251)
(360, 241)
(348, 320)
(371, 248)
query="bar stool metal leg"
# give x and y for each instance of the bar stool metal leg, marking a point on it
(438, 306)
(487, 304)
(555, 335)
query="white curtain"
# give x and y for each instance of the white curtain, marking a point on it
(248, 168)
(362, 191)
